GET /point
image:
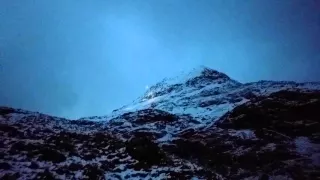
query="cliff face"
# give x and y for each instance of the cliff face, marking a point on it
(200, 125)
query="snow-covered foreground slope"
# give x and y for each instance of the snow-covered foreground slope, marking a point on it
(272, 137)
(200, 125)
(203, 93)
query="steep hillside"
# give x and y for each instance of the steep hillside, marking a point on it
(203, 93)
(200, 125)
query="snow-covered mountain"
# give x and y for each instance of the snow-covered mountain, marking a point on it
(203, 93)
(198, 125)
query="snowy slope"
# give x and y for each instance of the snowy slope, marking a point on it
(271, 137)
(198, 125)
(203, 93)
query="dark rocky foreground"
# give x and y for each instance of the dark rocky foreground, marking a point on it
(269, 137)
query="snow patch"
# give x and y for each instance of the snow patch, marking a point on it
(243, 134)
(303, 145)
(165, 138)
(269, 147)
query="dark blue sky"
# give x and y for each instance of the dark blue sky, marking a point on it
(79, 58)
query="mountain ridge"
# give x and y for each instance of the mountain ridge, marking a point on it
(171, 94)
(208, 127)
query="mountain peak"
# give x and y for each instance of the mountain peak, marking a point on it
(206, 71)
(202, 68)
(196, 78)
(195, 73)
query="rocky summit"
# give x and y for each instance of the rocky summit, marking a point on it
(198, 125)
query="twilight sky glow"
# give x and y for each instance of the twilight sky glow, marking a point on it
(78, 58)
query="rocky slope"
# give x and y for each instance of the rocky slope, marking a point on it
(203, 93)
(200, 125)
